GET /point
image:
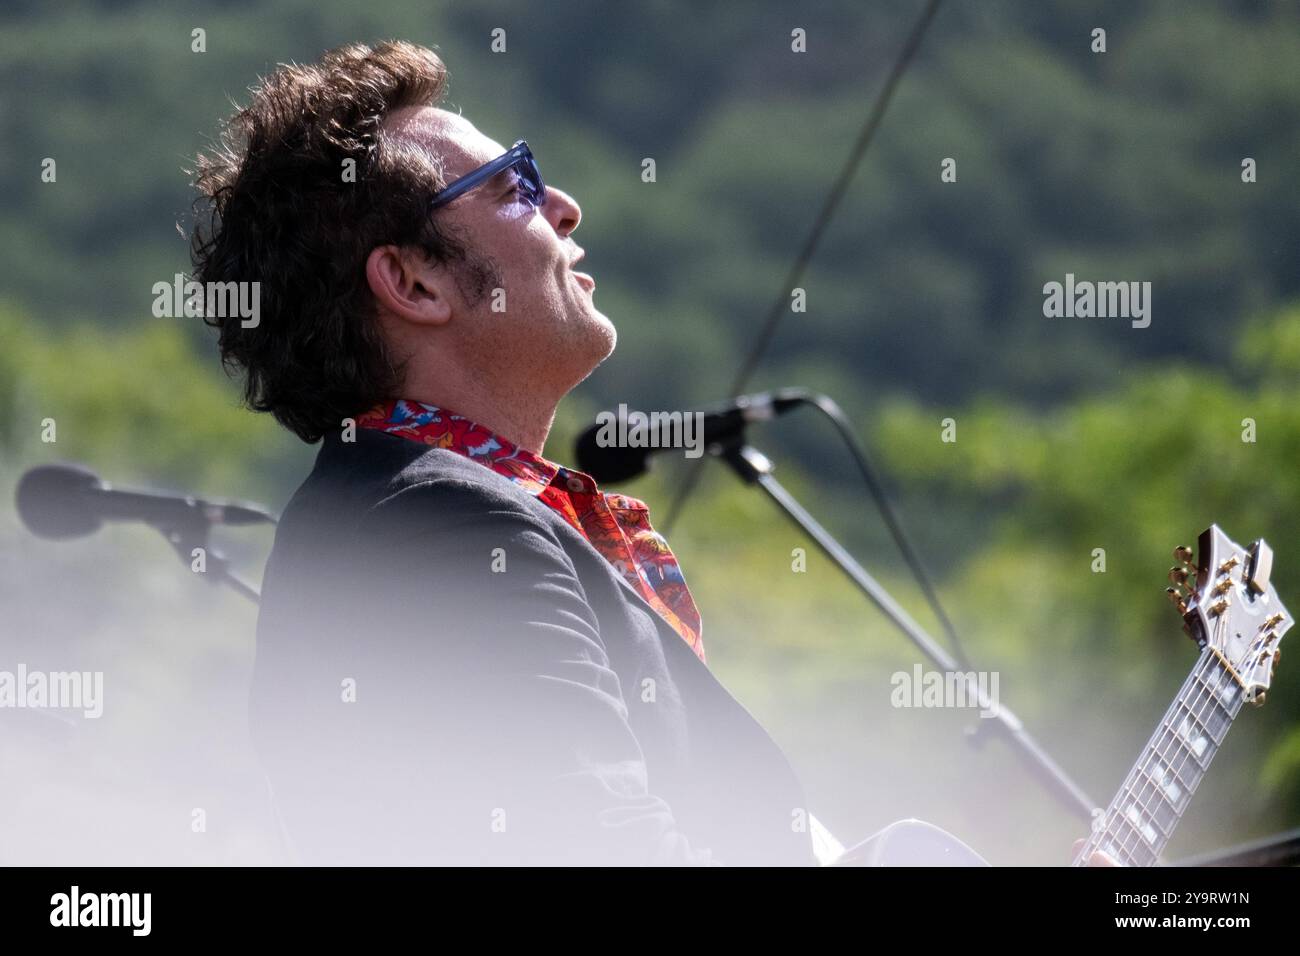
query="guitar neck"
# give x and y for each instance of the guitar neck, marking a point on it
(1140, 820)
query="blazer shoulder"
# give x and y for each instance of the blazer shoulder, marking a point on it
(378, 467)
(391, 488)
(444, 477)
(442, 489)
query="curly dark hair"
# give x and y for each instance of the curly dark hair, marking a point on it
(277, 207)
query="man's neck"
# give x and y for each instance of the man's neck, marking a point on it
(525, 423)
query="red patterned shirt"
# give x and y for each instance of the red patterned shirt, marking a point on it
(616, 525)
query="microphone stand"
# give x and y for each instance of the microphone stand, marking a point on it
(192, 532)
(754, 467)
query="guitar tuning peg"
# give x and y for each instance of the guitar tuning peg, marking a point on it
(1176, 599)
(1258, 699)
(1183, 554)
(1178, 576)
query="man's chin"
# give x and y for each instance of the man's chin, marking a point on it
(612, 336)
(600, 337)
(604, 335)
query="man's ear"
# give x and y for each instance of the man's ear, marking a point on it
(404, 283)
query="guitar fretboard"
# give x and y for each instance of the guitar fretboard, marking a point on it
(1139, 821)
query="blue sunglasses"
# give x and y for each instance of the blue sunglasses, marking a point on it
(519, 158)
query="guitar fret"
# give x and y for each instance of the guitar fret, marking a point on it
(1172, 786)
(1160, 818)
(1197, 717)
(1115, 850)
(1128, 854)
(1141, 842)
(1189, 745)
(1196, 739)
(1220, 715)
(1161, 801)
(1214, 724)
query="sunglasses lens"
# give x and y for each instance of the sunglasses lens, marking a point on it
(530, 181)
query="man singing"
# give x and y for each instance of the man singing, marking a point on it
(467, 653)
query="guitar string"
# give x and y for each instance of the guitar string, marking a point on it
(1168, 739)
(1114, 816)
(1224, 677)
(1165, 750)
(1195, 716)
(1162, 749)
(1159, 748)
(1106, 836)
(1165, 753)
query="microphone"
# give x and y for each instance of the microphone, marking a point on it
(613, 461)
(70, 501)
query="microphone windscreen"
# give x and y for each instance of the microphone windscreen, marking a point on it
(608, 464)
(54, 501)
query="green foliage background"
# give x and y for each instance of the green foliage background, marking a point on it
(924, 303)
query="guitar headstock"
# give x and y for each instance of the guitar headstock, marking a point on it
(1228, 602)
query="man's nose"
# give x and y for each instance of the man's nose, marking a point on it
(561, 211)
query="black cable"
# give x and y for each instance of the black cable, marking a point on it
(828, 407)
(814, 237)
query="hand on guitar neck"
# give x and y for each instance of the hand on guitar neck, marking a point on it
(1097, 859)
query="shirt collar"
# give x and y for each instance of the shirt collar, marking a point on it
(443, 428)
